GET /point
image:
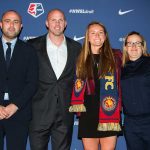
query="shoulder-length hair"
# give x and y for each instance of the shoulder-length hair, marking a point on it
(84, 67)
(125, 57)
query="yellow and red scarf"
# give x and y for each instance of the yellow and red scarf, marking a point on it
(110, 101)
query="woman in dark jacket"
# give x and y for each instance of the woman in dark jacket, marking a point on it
(135, 82)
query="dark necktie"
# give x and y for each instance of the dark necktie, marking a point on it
(8, 54)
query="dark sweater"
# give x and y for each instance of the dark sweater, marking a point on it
(135, 83)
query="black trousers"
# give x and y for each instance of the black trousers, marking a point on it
(137, 132)
(59, 134)
(16, 133)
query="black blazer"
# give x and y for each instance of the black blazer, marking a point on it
(52, 89)
(20, 78)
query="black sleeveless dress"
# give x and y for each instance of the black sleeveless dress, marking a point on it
(88, 121)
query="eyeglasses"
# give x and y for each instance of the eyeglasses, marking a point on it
(137, 44)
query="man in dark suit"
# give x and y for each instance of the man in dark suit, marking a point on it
(57, 57)
(18, 83)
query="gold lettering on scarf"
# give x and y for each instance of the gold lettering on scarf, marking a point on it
(110, 82)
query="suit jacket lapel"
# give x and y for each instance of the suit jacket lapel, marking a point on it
(2, 58)
(44, 51)
(45, 55)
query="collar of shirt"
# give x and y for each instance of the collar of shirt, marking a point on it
(51, 44)
(5, 46)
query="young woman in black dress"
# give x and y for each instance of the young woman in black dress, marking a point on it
(96, 92)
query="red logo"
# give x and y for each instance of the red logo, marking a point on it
(35, 9)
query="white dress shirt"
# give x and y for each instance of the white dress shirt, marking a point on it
(57, 56)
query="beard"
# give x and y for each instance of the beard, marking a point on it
(10, 35)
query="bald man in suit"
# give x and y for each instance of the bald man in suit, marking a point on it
(57, 57)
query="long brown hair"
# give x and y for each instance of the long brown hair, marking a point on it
(84, 67)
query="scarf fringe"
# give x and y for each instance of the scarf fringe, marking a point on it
(77, 108)
(109, 127)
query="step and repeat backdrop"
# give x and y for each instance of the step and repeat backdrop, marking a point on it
(119, 17)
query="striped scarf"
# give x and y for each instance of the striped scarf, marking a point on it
(110, 101)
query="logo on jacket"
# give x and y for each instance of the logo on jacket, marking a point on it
(35, 9)
(120, 12)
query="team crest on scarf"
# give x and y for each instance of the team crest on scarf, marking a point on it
(109, 94)
(79, 84)
(109, 103)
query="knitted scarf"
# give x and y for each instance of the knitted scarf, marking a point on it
(110, 102)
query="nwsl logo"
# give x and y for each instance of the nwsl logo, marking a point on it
(35, 9)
